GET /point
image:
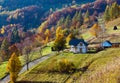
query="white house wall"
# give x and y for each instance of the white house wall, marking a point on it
(73, 49)
(76, 49)
(83, 47)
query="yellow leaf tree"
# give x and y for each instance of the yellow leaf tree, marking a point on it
(59, 43)
(14, 67)
(69, 37)
(42, 27)
(95, 30)
(58, 30)
(46, 40)
(47, 34)
(2, 31)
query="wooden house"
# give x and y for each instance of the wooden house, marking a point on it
(78, 46)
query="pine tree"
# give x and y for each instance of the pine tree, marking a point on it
(86, 17)
(67, 21)
(80, 18)
(4, 49)
(14, 67)
(15, 36)
(61, 21)
(106, 14)
(74, 18)
(5, 45)
(115, 10)
(111, 12)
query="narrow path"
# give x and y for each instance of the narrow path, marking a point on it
(31, 64)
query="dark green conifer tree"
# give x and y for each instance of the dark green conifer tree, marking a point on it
(106, 14)
(15, 36)
(60, 22)
(80, 18)
(4, 51)
(74, 18)
(5, 45)
(67, 21)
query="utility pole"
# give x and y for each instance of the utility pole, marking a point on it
(101, 23)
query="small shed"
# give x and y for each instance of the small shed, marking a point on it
(106, 44)
(78, 46)
(115, 28)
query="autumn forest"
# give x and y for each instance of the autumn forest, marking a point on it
(55, 41)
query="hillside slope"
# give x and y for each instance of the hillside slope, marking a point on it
(47, 4)
(115, 22)
(97, 7)
(22, 11)
(93, 68)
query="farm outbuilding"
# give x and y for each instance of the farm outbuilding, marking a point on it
(115, 28)
(106, 44)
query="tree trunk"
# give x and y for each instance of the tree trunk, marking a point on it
(27, 66)
(27, 62)
(40, 51)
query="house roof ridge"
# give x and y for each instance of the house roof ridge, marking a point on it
(75, 42)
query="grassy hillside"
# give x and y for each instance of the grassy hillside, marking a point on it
(110, 34)
(110, 25)
(113, 23)
(104, 64)
(35, 55)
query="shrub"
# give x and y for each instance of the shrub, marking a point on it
(55, 65)
(52, 66)
(49, 67)
(65, 66)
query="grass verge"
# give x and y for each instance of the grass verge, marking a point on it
(36, 55)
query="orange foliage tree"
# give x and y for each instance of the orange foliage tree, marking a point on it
(52, 30)
(13, 49)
